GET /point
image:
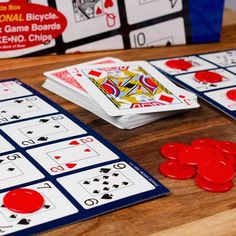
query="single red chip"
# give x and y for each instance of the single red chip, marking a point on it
(216, 188)
(195, 155)
(172, 150)
(204, 141)
(208, 77)
(217, 171)
(23, 201)
(176, 170)
(179, 64)
(231, 94)
(227, 147)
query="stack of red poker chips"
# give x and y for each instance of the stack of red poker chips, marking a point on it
(211, 162)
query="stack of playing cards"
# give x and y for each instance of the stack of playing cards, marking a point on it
(125, 94)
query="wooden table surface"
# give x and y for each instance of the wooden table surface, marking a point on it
(188, 210)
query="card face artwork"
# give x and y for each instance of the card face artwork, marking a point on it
(144, 37)
(226, 58)
(83, 15)
(150, 6)
(55, 206)
(182, 65)
(16, 169)
(12, 89)
(130, 88)
(5, 146)
(208, 80)
(72, 154)
(21, 108)
(225, 97)
(105, 184)
(42, 130)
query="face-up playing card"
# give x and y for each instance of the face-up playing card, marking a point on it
(150, 6)
(72, 154)
(42, 130)
(55, 206)
(5, 146)
(12, 89)
(21, 108)
(131, 88)
(182, 65)
(105, 184)
(65, 76)
(208, 80)
(224, 97)
(144, 37)
(83, 15)
(226, 58)
(16, 169)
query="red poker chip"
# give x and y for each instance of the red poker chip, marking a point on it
(208, 77)
(23, 201)
(179, 64)
(204, 141)
(172, 150)
(217, 171)
(209, 186)
(176, 170)
(227, 147)
(231, 94)
(195, 155)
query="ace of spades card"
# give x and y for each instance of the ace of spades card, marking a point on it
(55, 206)
(131, 88)
(105, 184)
(88, 17)
(72, 154)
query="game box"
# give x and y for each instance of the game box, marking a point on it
(37, 27)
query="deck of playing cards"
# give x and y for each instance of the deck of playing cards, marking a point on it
(125, 94)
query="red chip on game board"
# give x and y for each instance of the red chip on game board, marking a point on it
(216, 188)
(227, 147)
(172, 150)
(208, 77)
(231, 94)
(195, 155)
(217, 171)
(176, 170)
(204, 141)
(23, 201)
(179, 64)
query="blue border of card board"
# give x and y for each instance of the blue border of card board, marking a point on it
(83, 214)
(173, 78)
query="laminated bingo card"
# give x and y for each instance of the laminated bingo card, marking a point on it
(212, 76)
(55, 170)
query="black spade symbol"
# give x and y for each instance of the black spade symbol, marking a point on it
(10, 169)
(44, 120)
(23, 222)
(15, 117)
(57, 126)
(13, 216)
(43, 139)
(115, 174)
(115, 186)
(29, 132)
(104, 170)
(105, 177)
(96, 180)
(30, 106)
(125, 183)
(105, 183)
(106, 189)
(3, 111)
(18, 101)
(95, 191)
(47, 206)
(86, 182)
(2, 205)
(107, 196)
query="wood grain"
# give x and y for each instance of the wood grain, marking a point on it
(188, 209)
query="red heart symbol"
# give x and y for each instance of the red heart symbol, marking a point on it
(74, 142)
(108, 3)
(98, 11)
(71, 165)
(87, 150)
(57, 157)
